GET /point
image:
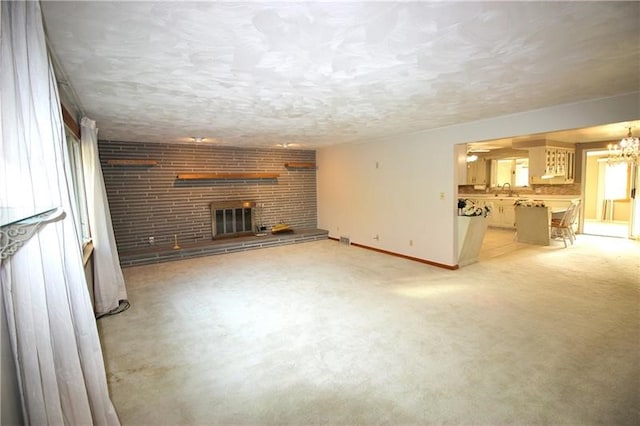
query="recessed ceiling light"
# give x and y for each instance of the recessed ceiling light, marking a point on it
(288, 145)
(198, 139)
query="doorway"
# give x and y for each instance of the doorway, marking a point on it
(610, 208)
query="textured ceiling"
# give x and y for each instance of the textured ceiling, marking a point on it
(316, 74)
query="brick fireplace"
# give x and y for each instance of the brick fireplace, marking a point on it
(147, 200)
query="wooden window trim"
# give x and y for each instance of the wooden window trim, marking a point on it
(71, 122)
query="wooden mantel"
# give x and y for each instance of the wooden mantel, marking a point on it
(300, 165)
(195, 176)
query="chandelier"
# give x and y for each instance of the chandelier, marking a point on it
(627, 150)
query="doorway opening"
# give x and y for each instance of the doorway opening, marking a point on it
(608, 196)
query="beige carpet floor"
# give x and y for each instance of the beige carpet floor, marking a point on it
(324, 333)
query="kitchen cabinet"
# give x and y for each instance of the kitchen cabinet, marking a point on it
(477, 172)
(503, 214)
(570, 172)
(551, 165)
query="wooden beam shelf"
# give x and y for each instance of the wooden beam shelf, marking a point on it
(194, 176)
(132, 162)
(300, 165)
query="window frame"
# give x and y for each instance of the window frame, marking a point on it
(513, 166)
(80, 207)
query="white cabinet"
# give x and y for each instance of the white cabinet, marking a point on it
(551, 165)
(537, 164)
(477, 172)
(503, 214)
(570, 173)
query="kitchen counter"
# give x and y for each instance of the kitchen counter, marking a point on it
(503, 213)
(519, 197)
(532, 225)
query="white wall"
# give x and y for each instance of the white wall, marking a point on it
(396, 201)
(400, 200)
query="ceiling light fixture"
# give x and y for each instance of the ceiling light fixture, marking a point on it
(287, 145)
(627, 150)
(198, 139)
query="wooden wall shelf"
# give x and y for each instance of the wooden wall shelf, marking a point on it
(300, 165)
(195, 176)
(132, 162)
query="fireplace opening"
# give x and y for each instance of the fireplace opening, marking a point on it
(232, 218)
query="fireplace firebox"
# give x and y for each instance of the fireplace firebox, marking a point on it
(232, 218)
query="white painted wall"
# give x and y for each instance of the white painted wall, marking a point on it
(400, 200)
(396, 201)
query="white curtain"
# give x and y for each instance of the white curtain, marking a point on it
(52, 328)
(110, 293)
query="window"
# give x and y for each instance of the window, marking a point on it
(514, 171)
(616, 181)
(503, 172)
(78, 193)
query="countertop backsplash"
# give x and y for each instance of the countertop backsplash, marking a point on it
(532, 191)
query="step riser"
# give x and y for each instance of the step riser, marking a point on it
(228, 247)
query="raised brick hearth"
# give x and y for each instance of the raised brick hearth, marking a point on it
(159, 254)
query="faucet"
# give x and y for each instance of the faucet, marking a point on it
(504, 186)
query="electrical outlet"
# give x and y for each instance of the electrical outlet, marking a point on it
(410, 243)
